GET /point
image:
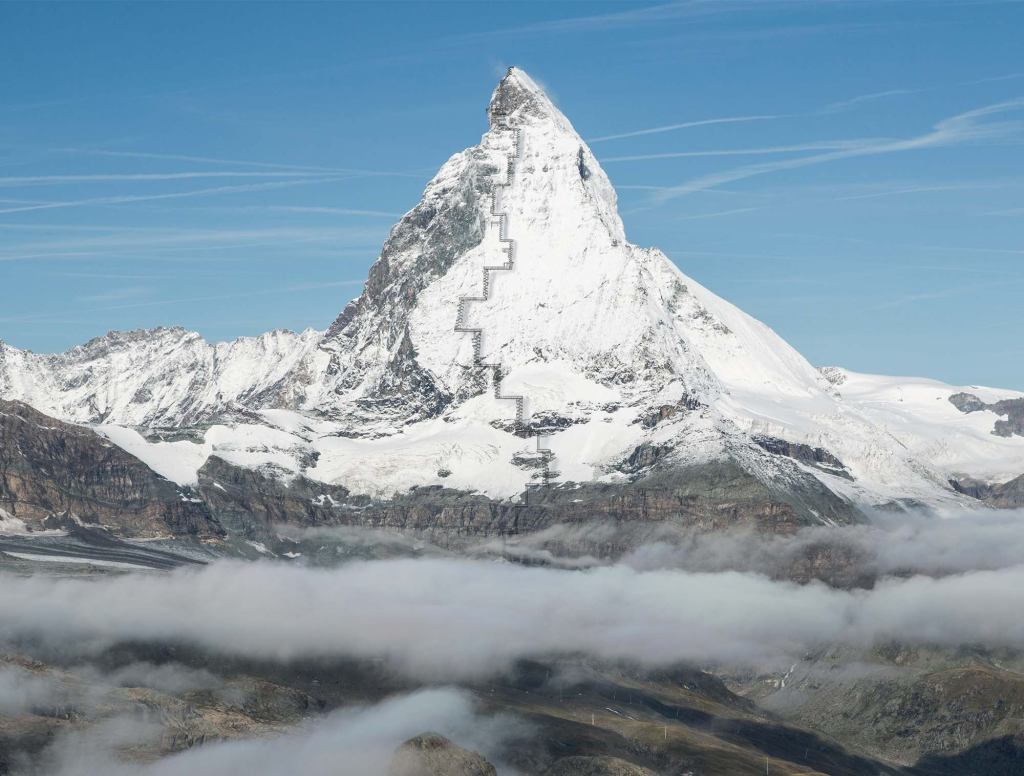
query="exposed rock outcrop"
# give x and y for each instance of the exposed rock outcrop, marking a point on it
(715, 496)
(430, 754)
(48, 468)
(1006, 495)
(1013, 409)
(812, 456)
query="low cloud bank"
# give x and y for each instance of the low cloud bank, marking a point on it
(914, 543)
(353, 742)
(453, 619)
(25, 692)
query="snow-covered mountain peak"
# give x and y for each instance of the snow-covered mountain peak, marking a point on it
(121, 339)
(519, 105)
(153, 377)
(509, 302)
(517, 96)
(516, 256)
(518, 101)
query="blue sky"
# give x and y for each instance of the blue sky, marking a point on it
(851, 173)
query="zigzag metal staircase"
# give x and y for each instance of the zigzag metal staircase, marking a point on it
(497, 373)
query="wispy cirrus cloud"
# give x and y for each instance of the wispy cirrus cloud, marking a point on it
(685, 125)
(333, 211)
(717, 214)
(288, 289)
(115, 294)
(255, 294)
(690, 11)
(182, 244)
(833, 107)
(129, 198)
(236, 162)
(35, 180)
(765, 150)
(945, 293)
(841, 105)
(917, 189)
(960, 128)
(637, 16)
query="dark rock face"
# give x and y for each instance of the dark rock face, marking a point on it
(1007, 495)
(711, 497)
(967, 402)
(509, 97)
(421, 247)
(581, 165)
(48, 467)
(405, 381)
(817, 457)
(248, 501)
(1013, 409)
(430, 754)
(1014, 423)
(643, 457)
(669, 411)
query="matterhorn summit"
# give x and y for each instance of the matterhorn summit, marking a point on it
(530, 213)
(511, 341)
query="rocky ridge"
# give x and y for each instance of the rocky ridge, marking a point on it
(49, 468)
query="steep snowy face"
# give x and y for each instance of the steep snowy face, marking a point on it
(576, 294)
(155, 377)
(574, 315)
(516, 257)
(572, 296)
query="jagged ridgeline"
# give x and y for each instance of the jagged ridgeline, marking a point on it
(511, 345)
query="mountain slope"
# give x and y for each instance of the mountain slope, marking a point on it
(51, 468)
(513, 277)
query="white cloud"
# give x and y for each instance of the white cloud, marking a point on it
(353, 742)
(24, 692)
(456, 618)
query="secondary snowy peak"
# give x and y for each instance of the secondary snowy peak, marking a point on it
(152, 377)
